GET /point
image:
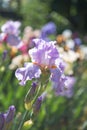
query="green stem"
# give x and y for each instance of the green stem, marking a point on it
(23, 119)
(37, 93)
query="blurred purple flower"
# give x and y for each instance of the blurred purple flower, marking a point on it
(68, 92)
(10, 31)
(64, 86)
(77, 41)
(48, 29)
(59, 85)
(11, 27)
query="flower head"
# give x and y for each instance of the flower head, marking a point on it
(44, 54)
(48, 29)
(47, 63)
(64, 86)
(10, 33)
(77, 41)
(11, 27)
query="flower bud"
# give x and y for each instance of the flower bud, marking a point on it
(30, 95)
(10, 114)
(4, 55)
(37, 104)
(7, 118)
(2, 121)
(28, 123)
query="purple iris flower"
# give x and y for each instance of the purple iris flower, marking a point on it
(64, 86)
(28, 72)
(48, 29)
(11, 27)
(10, 33)
(44, 54)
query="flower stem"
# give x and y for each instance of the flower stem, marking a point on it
(23, 119)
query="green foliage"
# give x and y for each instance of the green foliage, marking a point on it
(2, 21)
(34, 13)
(61, 22)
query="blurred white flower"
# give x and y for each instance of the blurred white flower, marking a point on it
(67, 33)
(18, 61)
(84, 51)
(70, 43)
(70, 56)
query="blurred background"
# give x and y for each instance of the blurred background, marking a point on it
(73, 15)
(57, 113)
